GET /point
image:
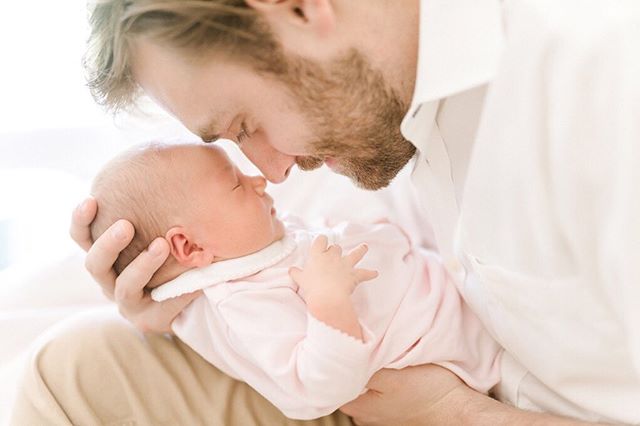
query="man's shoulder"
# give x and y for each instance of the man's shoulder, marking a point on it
(571, 24)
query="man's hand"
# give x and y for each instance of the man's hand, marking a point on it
(329, 274)
(411, 396)
(431, 395)
(127, 289)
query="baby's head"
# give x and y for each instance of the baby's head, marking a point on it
(194, 197)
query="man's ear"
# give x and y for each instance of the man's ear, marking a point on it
(317, 15)
(185, 250)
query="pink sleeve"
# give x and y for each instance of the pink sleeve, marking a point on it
(304, 367)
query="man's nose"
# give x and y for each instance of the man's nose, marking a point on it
(278, 173)
(274, 165)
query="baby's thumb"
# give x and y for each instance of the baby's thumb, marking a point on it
(294, 273)
(363, 275)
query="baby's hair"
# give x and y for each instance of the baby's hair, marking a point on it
(140, 186)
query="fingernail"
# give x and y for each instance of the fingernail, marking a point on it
(119, 232)
(82, 207)
(155, 248)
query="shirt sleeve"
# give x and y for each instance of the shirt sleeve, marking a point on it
(304, 367)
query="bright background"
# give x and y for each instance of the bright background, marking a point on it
(52, 135)
(53, 139)
(42, 80)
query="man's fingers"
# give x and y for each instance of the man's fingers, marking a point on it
(81, 219)
(108, 293)
(365, 275)
(175, 305)
(360, 405)
(356, 254)
(129, 290)
(167, 311)
(104, 252)
(384, 379)
(319, 244)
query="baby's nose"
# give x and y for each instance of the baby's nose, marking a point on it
(259, 184)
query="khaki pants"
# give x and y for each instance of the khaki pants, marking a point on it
(97, 370)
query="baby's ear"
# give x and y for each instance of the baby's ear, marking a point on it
(185, 250)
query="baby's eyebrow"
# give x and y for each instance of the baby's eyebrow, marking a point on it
(226, 173)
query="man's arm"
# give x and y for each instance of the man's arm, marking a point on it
(432, 395)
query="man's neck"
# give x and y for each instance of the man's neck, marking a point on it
(393, 45)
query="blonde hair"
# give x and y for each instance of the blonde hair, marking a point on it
(140, 186)
(196, 27)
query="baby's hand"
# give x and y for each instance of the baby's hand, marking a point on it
(329, 274)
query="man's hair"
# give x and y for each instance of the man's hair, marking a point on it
(138, 185)
(195, 27)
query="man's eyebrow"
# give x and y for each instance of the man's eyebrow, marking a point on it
(209, 137)
(208, 134)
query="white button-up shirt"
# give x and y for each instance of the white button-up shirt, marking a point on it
(526, 118)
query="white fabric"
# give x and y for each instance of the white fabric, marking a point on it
(535, 201)
(257, 328)
(227, 270)
(47, 290)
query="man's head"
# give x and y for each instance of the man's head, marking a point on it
(301, 82)
(194, 197)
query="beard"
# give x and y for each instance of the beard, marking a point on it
(356, 116)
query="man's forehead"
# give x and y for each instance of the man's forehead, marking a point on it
(177, 86)
(156, 71)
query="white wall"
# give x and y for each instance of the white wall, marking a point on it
(53, 139)
(41, 83)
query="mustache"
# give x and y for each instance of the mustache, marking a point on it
(308, 163)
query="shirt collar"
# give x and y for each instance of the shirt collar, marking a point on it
(459, 48)
(226, 270)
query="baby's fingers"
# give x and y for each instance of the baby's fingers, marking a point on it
(295, 273)
(356, 254)
(319, 244)
(363, 275)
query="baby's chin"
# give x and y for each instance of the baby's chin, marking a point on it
(279, 230)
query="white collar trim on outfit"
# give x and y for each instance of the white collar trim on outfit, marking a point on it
(226, 270)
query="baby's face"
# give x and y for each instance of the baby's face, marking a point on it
(230, 211)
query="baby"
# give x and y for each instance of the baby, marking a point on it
(282, 308)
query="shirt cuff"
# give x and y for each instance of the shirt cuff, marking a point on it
(337, 343)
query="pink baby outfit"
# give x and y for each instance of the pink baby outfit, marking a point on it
(253, 324)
